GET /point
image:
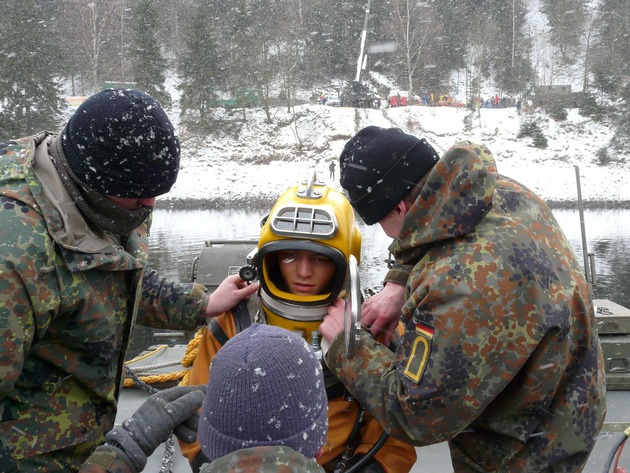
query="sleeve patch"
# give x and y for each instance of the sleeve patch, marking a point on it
(420, 351)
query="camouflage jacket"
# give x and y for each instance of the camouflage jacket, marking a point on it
(248, 460)
(500, 356)
(69, 299)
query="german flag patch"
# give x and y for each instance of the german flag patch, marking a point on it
(420, 351)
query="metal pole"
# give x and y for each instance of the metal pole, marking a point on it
(587, 271)
(363, 36)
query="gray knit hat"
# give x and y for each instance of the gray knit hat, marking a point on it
(266, 387)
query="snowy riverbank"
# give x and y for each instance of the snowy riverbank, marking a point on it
(251, 163)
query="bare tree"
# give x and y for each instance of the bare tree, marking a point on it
(410, 27)
(588, 35)
(98, 19)
(481, 36)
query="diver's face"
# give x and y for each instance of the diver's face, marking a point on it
(305, 272)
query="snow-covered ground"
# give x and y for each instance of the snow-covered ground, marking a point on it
(254, 161)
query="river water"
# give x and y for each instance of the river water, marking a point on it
(177, 237)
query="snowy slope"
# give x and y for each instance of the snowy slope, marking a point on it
(255, 161)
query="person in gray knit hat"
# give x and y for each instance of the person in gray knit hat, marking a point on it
(74, 222)
(265, 410)
(266, 389)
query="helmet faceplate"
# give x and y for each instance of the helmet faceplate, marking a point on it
(311, 217)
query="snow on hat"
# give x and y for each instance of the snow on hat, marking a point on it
(266, 387)
(380, 166)
(120, 142)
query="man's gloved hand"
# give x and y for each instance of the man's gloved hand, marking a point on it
(165, 412)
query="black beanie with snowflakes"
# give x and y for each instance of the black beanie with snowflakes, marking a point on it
(120, 142)
(266, 387)
(380, 166)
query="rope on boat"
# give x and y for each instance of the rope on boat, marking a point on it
(140, 372)
(143, 382)
(169, 445)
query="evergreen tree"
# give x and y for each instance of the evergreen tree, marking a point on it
(334, 34)
(510, 55)
(29, 61)
(287, 45)
(621, 140)
(148, 66)
(199, 63)
(74, 64)
(612, 45)
(566, 20)
(244, 47)
(319, 56)
(456, 17)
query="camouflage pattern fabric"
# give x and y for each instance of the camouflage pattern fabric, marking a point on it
(251, 460)
(66, 317)
(500, 356)
(107, 459)
(263, 460)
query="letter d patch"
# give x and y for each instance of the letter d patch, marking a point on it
(420, 351)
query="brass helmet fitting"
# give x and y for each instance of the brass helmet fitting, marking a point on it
(311, 217)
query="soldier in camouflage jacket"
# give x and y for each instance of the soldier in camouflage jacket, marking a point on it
(500, 356)
(74, 281)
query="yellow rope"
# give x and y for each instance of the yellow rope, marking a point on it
(187, 361)
(142, 357)
(190, 355)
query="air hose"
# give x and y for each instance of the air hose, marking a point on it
(369, 454)
(615, 453)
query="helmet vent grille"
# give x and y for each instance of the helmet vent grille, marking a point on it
(304, 221)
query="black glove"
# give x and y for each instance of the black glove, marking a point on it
(168, 411)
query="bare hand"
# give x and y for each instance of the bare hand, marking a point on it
(381, 312)
(333, 321)
(229, 293)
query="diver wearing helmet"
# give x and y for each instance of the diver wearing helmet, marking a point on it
(301, 261)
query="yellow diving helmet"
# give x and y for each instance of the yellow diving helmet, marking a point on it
(310, 217)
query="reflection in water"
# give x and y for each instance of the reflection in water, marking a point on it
(177, 237)
(607, 234)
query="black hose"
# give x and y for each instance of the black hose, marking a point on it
(353, 441)
(369, 454)
(616, 450)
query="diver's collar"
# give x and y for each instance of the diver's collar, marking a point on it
(293, 311)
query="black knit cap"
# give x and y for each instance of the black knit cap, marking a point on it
(120, 142)
(380, 166)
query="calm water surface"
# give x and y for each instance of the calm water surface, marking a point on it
(177, 236)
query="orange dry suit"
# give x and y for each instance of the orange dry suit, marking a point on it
(394, 457)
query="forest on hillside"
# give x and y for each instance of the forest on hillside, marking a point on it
(270, 49)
